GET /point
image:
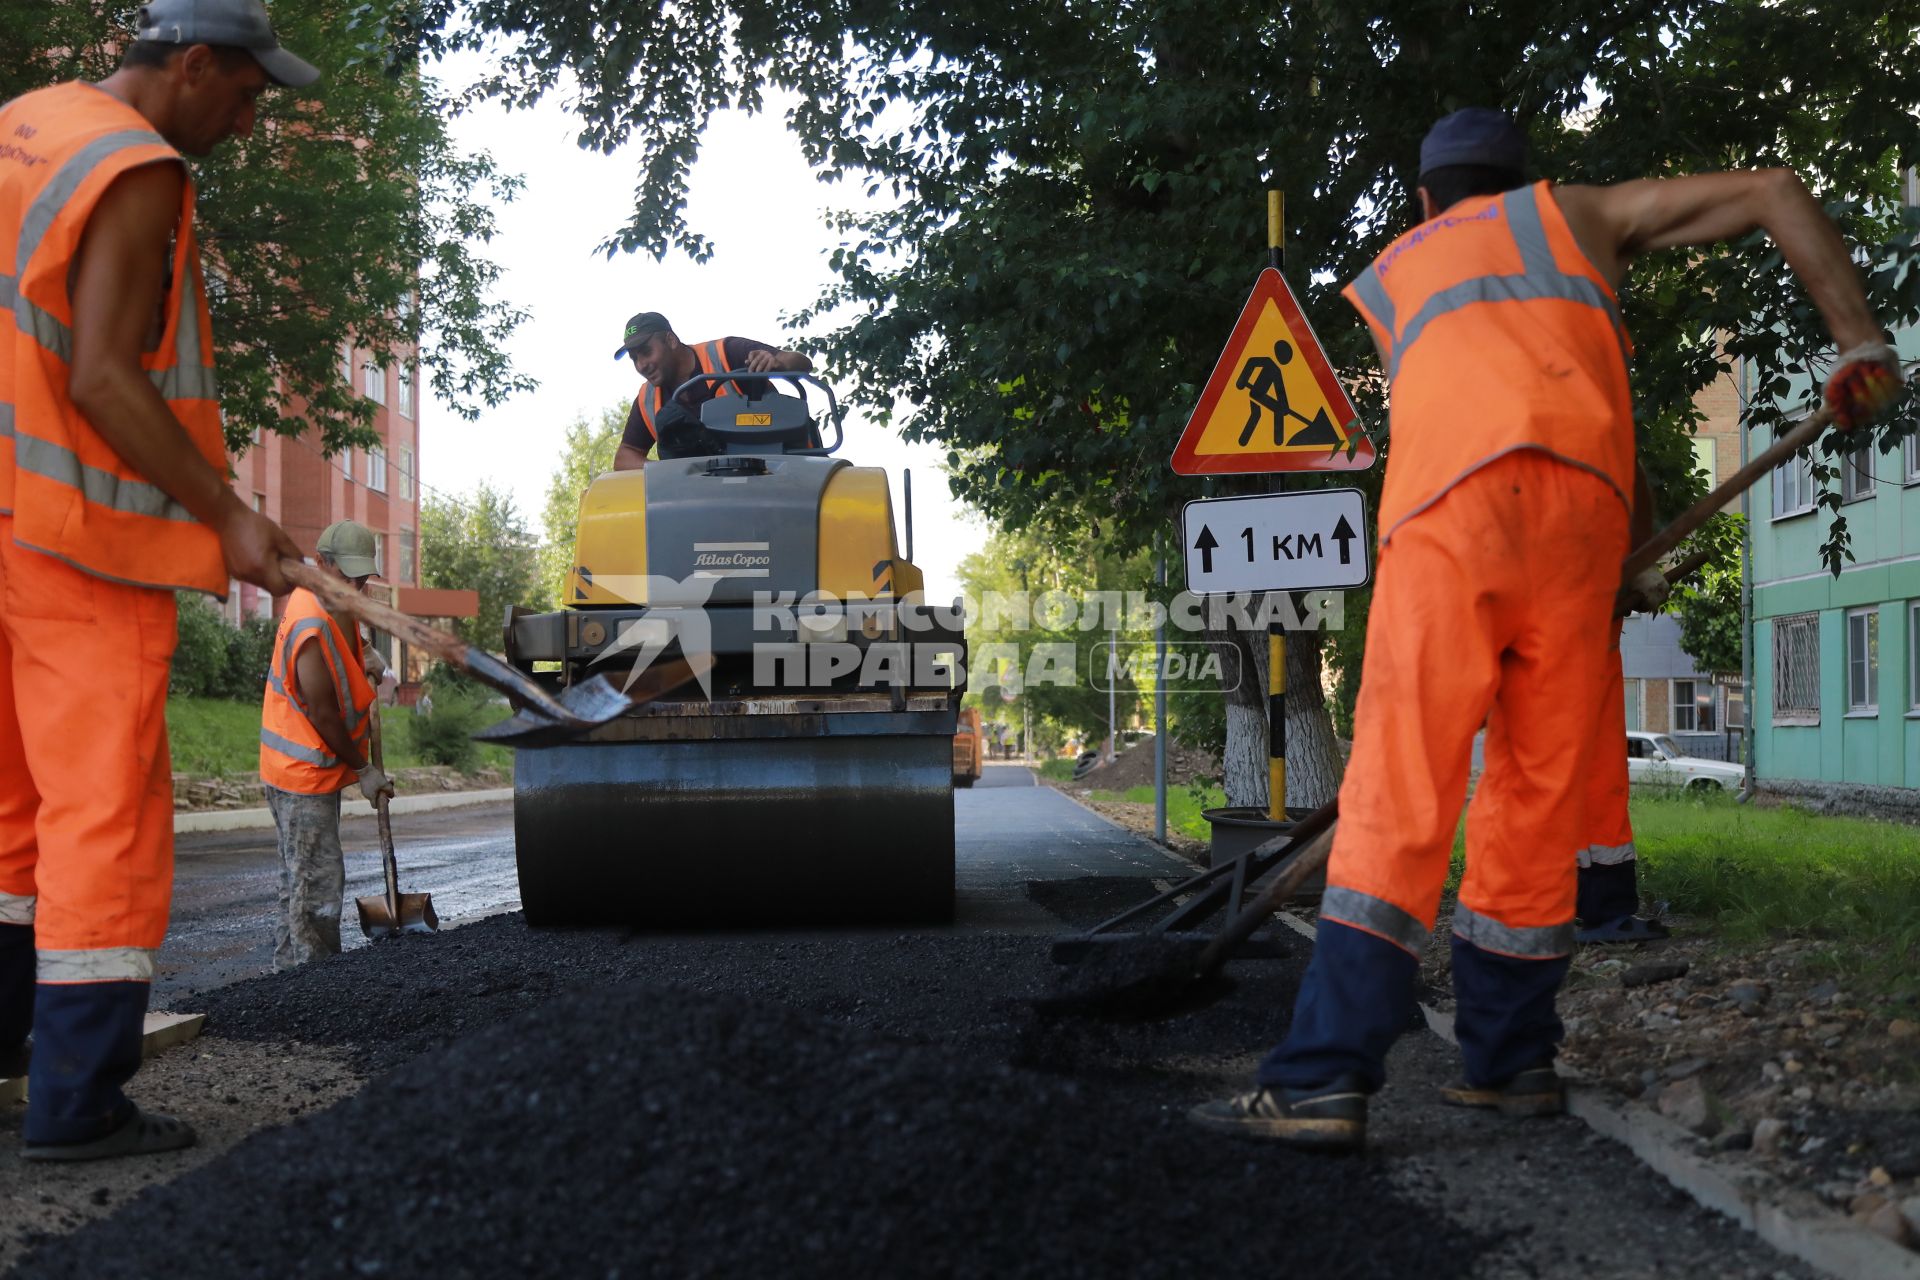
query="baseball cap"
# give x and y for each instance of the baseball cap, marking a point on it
(240, 24)
(640, 326)
(1474, 135)
(350, 544)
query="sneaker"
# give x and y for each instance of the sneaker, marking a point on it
(1537, 1091)
(1330, 1118)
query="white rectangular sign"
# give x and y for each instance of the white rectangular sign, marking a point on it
(1312, 540)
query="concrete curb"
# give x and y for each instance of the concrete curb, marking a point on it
(160, 1032)
(1828, 1243)
(258, 819)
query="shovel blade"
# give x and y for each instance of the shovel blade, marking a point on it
(416, 915)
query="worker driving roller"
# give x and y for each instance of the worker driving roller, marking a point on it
(1503, 524)
(667, 363)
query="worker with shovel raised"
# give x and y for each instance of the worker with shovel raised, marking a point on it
(113, 495)
(316, 729)
(1503, 524)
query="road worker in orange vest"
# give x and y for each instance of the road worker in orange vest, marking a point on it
(1503, 523)
(316, 720)
(666, 363)
(113, 495)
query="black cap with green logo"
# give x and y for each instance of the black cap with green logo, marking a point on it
(638, 329)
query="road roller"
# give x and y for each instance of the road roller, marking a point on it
(806, 777)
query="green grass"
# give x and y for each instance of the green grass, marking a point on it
(1761, 874)
(215, 736)
(1183, 806)
(1056, 770)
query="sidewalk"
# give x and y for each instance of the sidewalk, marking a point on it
(262, 818)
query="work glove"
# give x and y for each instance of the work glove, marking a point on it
(374, 784)
(1864, 382)
(1648, 590)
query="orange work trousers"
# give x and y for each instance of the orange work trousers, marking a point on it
(86, 793)
(1493, 607)
(1609, 834)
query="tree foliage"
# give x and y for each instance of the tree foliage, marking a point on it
(588, 453)
(1073, 208)
(349, 215)
(1707, 602)
(479, 542)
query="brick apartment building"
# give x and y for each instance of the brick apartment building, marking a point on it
(288, 479)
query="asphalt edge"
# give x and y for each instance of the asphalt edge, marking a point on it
(262, 819)
(1832, 1244)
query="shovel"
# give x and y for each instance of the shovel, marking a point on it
(1156, 972)
(392, 913)
(541, 716)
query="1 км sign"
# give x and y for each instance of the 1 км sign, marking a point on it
(1312, 540)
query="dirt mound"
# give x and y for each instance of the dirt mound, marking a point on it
(1134, 767)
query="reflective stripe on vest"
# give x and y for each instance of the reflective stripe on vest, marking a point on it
(16, 908)
(107, 964)
(1498, 334)
(711, 357)
(1374, 915)
(72, 495)
(1537, 942)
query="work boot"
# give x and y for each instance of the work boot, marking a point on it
(1332, 1117)
(1537, 1091)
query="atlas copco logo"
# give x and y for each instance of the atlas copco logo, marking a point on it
(731, 560)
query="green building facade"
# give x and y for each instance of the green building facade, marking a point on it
(1836, 659)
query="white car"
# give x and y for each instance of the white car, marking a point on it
(1655, 760)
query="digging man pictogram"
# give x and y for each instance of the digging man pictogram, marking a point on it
(1266, 386)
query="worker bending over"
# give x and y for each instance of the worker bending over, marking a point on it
(113, 495)
(316, 719)
(1503, 523)
(666, 363)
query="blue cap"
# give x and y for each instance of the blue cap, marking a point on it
(1474, 135)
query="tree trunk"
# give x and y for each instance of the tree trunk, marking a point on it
(1314, 762)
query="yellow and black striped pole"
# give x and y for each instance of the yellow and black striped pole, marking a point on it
(1276, 634)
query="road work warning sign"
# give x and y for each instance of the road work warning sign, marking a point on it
(1272, 403)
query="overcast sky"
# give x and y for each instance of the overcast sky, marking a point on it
(754, 196)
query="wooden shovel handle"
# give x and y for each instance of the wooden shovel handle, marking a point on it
(339, 597)
(387, 863)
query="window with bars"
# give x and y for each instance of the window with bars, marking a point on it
(403, 393)
(374, 382)
(1792, 488)
(1796, 669)
(380, 555)
(406, 555)
(404, 461)
(377, 469)
(1863, 661)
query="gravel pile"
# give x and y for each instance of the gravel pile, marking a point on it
(596, 1104)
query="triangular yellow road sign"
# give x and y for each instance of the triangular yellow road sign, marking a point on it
(1272, 403)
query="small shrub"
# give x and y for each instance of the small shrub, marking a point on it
(200, 657)
(249, 654)
(445, 735)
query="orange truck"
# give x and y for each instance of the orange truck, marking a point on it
(969, 748)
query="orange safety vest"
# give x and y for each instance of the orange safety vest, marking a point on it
(71, 495)
(1498, 335)
(293, 757)
(711, 357)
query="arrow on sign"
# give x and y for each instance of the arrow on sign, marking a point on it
(1205, 544)
(1344, 535)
